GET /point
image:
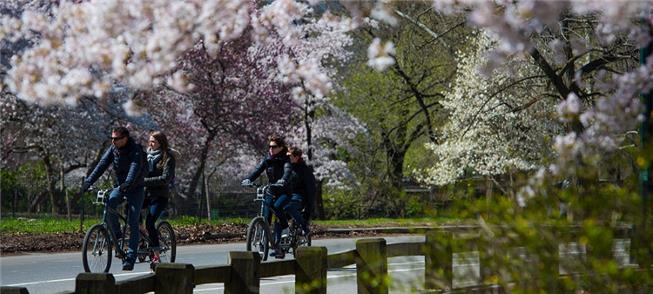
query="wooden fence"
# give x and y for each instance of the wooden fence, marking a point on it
(244, 270)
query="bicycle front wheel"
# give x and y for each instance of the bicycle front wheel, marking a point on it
(258, 237)
(96, 250)
(167, 242)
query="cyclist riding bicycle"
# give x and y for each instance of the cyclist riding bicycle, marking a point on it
(300, 183)
(160, 172)
(128, 160)
(273, 165)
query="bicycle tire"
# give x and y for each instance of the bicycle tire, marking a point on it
(97, 240)
(167, 242)
(258, 237)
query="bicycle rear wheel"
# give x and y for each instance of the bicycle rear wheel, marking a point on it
(167, 242)
(96, 250)
(258, 237)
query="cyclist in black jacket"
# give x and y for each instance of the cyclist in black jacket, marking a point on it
(161, 172)
(274, 165)
(301, 185)
(128, 161)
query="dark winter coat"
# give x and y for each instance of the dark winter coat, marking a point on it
(159, 177)
(300, 180)
(273, 167)
(128, 163)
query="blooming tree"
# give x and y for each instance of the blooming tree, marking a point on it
(496, 123)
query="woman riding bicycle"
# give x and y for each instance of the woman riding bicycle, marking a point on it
(160, 173)
(273, 165)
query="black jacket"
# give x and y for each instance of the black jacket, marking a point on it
(300, 180)
(128, 163)
(273, 167)
(157, 181)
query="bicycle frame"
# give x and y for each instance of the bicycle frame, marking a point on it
(122, 223)
(261, 192)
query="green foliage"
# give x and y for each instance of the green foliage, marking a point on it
(43, 224)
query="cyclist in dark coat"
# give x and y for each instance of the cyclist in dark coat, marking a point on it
(128, 160)
(161, 172)
(274, 165)
(300, 181)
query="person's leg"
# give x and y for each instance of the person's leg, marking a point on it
(281, 223)
(157, 206)
(115, 198)
(134, 202)
(293, 208)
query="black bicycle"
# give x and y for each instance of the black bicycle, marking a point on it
(259, 236)
(100, 240)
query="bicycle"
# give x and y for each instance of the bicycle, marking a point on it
(259, 237)
(100, 240)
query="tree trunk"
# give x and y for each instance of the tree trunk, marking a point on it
(51, 183)
(319, 202)
(200, 170)
(65, 192)
(396, 167)
(208, 196)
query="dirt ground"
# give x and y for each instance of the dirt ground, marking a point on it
(18, 243)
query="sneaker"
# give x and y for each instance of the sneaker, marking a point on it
(154, 261)
(128, 264)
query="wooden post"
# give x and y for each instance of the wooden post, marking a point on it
(245, 274)
(311, 273)
(372, 266)
(100, 283)
(174, 278)
(13, 290)
(438, 258)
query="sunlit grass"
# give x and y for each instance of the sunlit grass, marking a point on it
(48, 224)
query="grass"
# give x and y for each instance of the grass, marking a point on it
(48, 224)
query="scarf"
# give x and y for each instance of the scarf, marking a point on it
(153, 157)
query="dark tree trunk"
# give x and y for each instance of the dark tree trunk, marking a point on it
(204, 154)
(50, 175)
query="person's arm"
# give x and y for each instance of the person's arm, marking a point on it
(258, 171)
(166, 176)
(135, 158)
(99, 169)
(285, 178)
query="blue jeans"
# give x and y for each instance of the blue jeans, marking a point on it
(155, 206)
(294, 207)
(276, 205)
(134, 204)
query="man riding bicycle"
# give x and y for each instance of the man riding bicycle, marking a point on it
(273, 165)
(300, 183)
(128, 161)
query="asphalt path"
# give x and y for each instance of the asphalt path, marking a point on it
(56, 272)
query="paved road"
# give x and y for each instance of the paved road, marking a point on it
(51, 273)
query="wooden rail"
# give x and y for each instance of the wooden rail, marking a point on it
(244, 270)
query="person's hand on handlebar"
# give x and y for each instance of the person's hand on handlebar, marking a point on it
(246, 182)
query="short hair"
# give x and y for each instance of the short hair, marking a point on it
(277, 139)
(122, 130)
(295, 151)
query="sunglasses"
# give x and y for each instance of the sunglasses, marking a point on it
(274, 146)
(116, 138)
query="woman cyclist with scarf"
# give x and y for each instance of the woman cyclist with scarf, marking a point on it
(160, 173)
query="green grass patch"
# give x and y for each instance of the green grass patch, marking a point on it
(43, 225)
(47, 224)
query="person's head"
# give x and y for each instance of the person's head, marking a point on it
(119, 137)
(295, 154)
(158, 141)
(276, 144)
